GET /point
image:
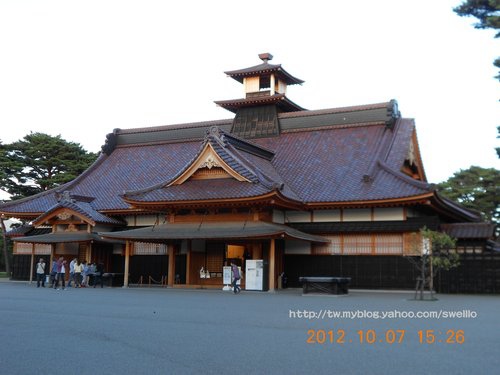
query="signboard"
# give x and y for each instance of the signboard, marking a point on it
(254, 274)
(226, 275)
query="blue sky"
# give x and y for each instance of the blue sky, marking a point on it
(82, 68)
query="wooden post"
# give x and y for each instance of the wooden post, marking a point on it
(188, 262)
(272, 263)
(32, 260)
(127, 264)
(171, 264)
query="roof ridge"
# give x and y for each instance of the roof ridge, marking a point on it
(325, 111)
(173, 127)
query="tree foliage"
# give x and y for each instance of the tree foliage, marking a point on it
(488, 14)
(438, 252)
(40, 162)
(476, 188)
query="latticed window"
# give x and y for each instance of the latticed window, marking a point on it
(149, 248)
(358, 244)
(388, 244)
(43, 249)
(23, 248)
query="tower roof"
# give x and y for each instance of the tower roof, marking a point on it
(263, 69)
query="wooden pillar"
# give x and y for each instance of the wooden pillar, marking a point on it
(127, 264)
(32, 260)
(272, 265)
(188, 262)
(171, 265)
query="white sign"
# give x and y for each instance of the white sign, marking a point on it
(254, 274)
(226, 275)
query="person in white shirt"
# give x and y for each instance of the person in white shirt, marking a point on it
(40, 273)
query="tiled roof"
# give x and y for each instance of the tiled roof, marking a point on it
(279, 99)
(214, 230)
(248, 160)
(328, 156)
(469, 230)
(83, 208)
(264, 68)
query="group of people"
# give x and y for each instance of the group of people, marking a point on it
(81, 274)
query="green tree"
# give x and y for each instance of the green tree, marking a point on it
(476, 188)
(498, 136)
(488, 14)
(438, 253)
(40, 162)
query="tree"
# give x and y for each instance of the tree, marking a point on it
(437, 253)
(488, 14)
(40, 162)
(498, 136)
(476, 188)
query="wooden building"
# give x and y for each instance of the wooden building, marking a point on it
(338, 192)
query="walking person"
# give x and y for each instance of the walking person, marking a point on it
(40, 273)
(236, 276)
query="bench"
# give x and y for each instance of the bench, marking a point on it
(325, 284)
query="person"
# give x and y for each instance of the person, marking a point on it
(78, 274)
(61, 273)
(72, 272)
(40, 273)
(91, 274)
(53, 272)
(236, 276)
(99, 271)
(85, 274)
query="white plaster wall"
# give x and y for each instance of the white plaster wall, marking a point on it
(360, 214)
(297, 217)
(326, 216)
(390, 213)
(278, 217)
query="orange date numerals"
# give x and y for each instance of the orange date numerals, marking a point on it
(322, 336)
(431, 336)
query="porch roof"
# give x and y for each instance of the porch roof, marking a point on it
(214, 230)
(64, 237)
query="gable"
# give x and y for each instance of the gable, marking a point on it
(207, 165)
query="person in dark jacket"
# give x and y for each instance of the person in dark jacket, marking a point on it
(236, 276)
(99, 271)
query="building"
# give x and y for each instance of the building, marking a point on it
(338, 191)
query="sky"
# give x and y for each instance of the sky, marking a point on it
(80, 69)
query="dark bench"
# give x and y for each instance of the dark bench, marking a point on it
(325, 284)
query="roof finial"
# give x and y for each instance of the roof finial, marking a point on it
(265, 57)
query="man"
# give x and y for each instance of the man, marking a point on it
(72, 272)
(40, 273)
(53, 273)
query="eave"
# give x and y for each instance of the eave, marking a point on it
(274, 198)
(417, 199)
